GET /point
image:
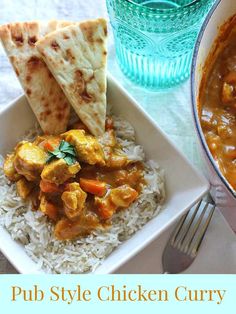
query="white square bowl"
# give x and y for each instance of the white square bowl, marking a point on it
(184, 185)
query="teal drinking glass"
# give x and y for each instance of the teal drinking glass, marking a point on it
(154, 39)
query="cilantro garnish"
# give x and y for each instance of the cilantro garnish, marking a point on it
(65, 151)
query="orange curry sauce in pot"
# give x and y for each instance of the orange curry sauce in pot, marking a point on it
(217, 102)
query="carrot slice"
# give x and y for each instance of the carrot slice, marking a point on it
(93, 186)
(48, 146)
(105, 212)
(51, 143)
(48, 187)
(51, 211)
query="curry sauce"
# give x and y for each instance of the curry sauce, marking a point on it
(77, 180)
(218, 106)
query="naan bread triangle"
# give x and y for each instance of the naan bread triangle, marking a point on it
(44, 94)
(77, 56)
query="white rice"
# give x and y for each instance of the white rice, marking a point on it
(35, 232)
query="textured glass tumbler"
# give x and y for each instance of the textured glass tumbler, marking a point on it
(155, 39)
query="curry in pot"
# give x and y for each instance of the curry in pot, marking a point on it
(77, 180)
(218, 105)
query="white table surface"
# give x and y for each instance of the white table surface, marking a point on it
(171, 110)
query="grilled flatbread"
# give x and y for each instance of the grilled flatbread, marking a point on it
(76, 55)
(44, 95)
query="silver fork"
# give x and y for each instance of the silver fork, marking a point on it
(184, 243)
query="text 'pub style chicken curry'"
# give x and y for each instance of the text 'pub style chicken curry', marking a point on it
(77, 180)
(218, 103)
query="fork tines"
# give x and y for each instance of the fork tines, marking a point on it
(191, 229)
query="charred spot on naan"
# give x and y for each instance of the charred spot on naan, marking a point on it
(50, 75)
(28, 92)
(16, 35)
(18, 40)
(23, 32)
(89, 30)
(32, 40)
(34, 63)
(28, 78)
(69, 56)
(79, 87)
(58, 113)
(55, 45)
(65, 36)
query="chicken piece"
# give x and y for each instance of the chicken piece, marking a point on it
(24, 188)
(114, 159)
(87, 147)
(29, 160)
(74, 200)
(66, 229)
(121, 196)
(227, 93)
(59, 172)
(39, 139)
(48, 208)
(108, 142)
(108, 139)
(117, 161)
(105, 207)
(19, 144)
(9, 168)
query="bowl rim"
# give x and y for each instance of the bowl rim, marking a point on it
(194, 101)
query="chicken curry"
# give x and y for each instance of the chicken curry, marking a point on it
(218, 107)
(77, 180)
